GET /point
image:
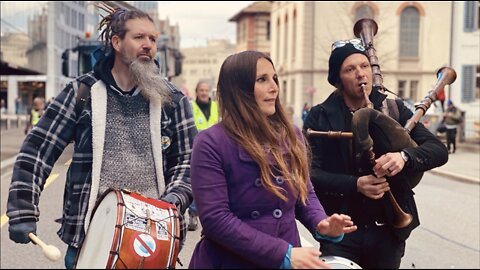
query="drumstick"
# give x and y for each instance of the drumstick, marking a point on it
(51, 252)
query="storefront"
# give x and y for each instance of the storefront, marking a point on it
(17, 82)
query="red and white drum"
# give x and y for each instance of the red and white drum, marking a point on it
(129, 230)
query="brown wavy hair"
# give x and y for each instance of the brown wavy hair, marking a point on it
(262, 137)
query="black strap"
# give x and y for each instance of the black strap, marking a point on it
(83, 94)
(393, 109)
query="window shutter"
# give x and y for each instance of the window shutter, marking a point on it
(470, 16)
(468, 76)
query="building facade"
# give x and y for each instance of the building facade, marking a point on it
(253, 27)
(203, 63)
(465, 59)
(16, 41)
(413, 40)
(67, 22)
(14, 48)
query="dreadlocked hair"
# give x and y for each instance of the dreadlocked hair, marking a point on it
(114, 22)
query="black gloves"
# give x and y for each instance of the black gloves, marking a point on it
(173, 199)
(19, 232)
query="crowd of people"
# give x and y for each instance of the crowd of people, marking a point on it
(238, 163)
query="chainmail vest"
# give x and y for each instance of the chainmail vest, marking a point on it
(127, 155)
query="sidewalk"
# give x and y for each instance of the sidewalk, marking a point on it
(9, 121)
(463, 166)
(11, 140)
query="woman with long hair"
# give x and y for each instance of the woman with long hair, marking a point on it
(250, 178)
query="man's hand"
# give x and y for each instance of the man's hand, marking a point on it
(371, 186)
(389, 164)
(19, 232)
(173, 199)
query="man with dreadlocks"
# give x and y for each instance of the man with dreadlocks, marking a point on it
(132, 130)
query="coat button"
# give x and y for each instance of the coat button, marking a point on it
(279, 180)
(277, 213)
(255, 214)
(258, 182)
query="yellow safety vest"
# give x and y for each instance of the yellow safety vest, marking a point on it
(200, 120)
(35, 117)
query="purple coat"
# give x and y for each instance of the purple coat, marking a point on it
(244, 225)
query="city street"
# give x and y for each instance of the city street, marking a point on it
(129, 80)
(448, 236)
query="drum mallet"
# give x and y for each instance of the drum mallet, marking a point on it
(50, 251)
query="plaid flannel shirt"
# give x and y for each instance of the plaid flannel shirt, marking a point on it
(57, 127)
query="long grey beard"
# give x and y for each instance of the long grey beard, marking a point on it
(153, 86)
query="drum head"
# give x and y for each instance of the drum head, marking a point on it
(337, 262)
(95, 250)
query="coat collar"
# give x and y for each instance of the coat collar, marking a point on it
(331, 106)
(335, 101)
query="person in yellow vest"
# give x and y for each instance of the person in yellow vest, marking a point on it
(38, 107)
(205, 114)
(205, 110)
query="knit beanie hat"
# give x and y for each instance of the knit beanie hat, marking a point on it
(337, 57)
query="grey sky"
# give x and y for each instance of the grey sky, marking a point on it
(14, 14)
(202, 20)
(198, 21)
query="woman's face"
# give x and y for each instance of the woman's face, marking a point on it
(266, 88)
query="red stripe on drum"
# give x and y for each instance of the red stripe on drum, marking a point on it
(144, 245)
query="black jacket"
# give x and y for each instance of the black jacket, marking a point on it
(334, 174)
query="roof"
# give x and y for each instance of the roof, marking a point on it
(259, 7)
(11, 69)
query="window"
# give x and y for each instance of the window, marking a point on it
(409, 32)
(74, 19)
(67, 15)
(471, 19)
(268, 30)
(401, 88)
(292, 92)
(283, 97)
(363, 12)
(414, 90)
(81, 21)
(278, 40)
(285, 43)
(470, 83)
(241, 30)
(245, 30)
(294, 35)
(74, 67)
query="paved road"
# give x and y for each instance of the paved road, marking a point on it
(447, 238)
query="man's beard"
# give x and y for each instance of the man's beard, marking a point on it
(153, 87)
